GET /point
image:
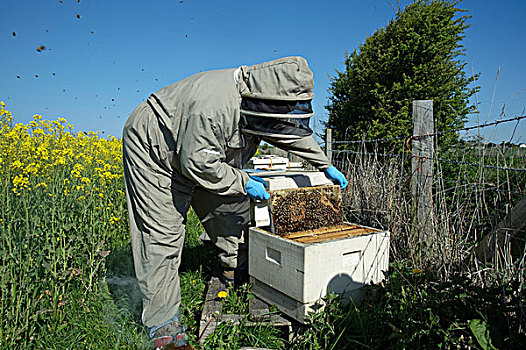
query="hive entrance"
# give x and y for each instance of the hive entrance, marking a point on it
(305, 208)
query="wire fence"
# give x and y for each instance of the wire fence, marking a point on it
(408, 138)
(438, 133)
(451, 219)
(391, 155)
(508, 169)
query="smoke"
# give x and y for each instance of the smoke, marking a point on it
(126, 294)
(127, 281)
(123, 312)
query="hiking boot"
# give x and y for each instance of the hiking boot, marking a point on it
(169, 336)
(227, 277)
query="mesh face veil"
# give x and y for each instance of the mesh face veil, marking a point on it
(276, 118)
(276, 98)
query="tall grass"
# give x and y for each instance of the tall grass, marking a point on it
(467, 203)
(62, 212)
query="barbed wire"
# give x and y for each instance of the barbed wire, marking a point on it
(475, 184)
(438, 133)
(433, 158)
(478, 165)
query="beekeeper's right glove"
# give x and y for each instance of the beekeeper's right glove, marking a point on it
(255, 188)
(335, 175)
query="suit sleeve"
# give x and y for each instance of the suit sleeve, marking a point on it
(202, 158)
(304, 147)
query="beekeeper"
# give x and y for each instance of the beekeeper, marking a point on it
(185, 146)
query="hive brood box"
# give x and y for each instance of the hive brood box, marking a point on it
(294, 272)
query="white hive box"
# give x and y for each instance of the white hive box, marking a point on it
(294, 274)
(270, 162)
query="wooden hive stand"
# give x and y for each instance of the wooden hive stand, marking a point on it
(259, 313)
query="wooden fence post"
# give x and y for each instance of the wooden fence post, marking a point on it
(422, 170)
(328, 144)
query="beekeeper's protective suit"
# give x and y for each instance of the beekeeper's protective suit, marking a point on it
(186, 145)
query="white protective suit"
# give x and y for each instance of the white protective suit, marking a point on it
(186, 146)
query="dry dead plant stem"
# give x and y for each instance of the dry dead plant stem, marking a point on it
(378, 195)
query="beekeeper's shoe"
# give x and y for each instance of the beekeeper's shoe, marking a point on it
(169, 336)
(227, 277)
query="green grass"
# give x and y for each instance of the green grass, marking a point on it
(408, 310)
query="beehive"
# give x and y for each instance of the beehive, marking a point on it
(307, 250)
(295, 271)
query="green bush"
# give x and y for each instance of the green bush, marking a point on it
(417, 56)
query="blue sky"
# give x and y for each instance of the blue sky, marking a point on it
(95, 69)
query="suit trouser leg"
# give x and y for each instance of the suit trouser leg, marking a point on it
(226, 220)
(158, 201)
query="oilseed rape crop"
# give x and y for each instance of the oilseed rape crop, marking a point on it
(62, 210)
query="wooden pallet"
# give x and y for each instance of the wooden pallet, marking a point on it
(212, 315)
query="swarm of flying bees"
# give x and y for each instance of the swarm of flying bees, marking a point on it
(44, 48)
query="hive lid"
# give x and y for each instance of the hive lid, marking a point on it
(305, 208)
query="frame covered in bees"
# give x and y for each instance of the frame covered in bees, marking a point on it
(305, 208)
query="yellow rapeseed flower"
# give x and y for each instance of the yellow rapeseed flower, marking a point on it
(114, 219)
(47, 154)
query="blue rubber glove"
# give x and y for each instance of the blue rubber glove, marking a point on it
(335, 175)
(256, 188)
